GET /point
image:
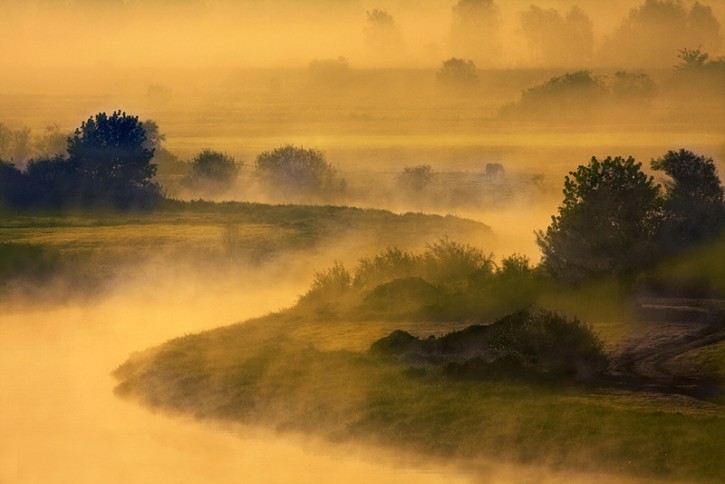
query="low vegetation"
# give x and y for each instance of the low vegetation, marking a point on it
(519, 389)
(447, 281)
(448, 352)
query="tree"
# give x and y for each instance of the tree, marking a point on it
(167, 163)
(382, 35)
(606, 224)
(53, 142)
(12, 189)
(557, 39)
(212, 170)
(475, 30)
(298, 170)
(705, 27)
(693, 202)
(113, 161)
(653, 31)
(15, 144)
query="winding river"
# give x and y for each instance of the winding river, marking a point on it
(61, 423)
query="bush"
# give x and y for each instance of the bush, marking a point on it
(384, 267)
(575, 95)
(212, 170)
(527, 344)
(298, 170)
(447, 262)
(415, 178)
(636, 87)
(458, 73)
(448, 281)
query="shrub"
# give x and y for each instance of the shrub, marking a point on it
(415, 178)
(298, 170)
(526, 344)
(458, 73)
(212, 170)
(575, 95)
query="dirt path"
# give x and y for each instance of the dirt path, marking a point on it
(643, 362)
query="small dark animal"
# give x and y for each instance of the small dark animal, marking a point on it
(493, 170)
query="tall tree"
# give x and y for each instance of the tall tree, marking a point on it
(475, 33)
(606, 224)
(653, 32)
(694, 207)
(557, 39)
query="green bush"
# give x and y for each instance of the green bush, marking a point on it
(447, 281)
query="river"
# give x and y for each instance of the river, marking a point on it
(61, 423)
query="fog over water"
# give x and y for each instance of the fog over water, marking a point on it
(62, 423)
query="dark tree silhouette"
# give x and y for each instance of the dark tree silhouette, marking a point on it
(12, 185)
(113, 161)
(52, 182)
(693, 202)
(606, 224)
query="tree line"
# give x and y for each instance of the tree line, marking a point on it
(614, 219)
(108, 163)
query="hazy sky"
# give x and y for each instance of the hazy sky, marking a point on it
(253, 33)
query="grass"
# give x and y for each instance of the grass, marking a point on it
(207, 236)
(280, 373)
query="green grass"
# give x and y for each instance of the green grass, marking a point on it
(268, 372)
(207, 236)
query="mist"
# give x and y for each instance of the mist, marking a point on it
(61, 420)
(431, 122)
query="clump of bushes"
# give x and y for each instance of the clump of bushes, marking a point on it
(415, 178)
(297, 171)
(212, 170)
(581, 95)
(446, 281)
(527, 344)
